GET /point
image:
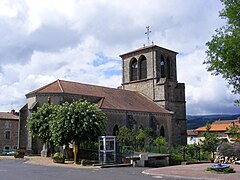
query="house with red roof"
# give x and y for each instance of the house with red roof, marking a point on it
(220, 128)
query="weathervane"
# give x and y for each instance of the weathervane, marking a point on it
(148, 33)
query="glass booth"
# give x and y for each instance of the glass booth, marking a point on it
(107, 149)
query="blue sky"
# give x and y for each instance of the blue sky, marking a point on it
(81, 40)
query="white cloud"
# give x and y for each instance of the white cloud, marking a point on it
(205, 93)
(7, 9)
(81, 41)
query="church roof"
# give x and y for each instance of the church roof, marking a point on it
(110, 98)
(146, 48)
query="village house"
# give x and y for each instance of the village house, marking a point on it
(150, 97)
(192, 137)
(8, 131)
(218, 127)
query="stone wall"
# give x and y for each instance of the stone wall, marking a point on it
(163, 90)
(23, 132)
(140, 120)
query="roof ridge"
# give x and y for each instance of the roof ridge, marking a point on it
(101, 86)
(60, 85)
(43, 87)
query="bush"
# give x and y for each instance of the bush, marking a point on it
(58, 158)
(229, 170)
(20, 153)
(222, 171)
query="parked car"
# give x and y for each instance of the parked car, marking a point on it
(9, 152)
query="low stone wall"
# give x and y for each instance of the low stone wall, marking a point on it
(226, 159)
(150, 160)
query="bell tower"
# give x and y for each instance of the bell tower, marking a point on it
(151, 70)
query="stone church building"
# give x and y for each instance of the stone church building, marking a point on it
(150, 96)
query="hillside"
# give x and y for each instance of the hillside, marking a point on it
(195, 121)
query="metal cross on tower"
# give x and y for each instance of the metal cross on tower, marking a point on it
(148, 33)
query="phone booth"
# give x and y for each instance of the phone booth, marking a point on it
(107, 149)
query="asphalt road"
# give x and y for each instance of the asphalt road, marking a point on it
(17, 169)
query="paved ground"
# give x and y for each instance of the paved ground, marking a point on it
(42, 169)
(195, 171)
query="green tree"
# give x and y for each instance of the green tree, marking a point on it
(160, 141)
(125, 136)
(78, 122)
(39, 124)
(162, 144)
(140, 139)
(150, 135)
(210, 141)
(234, 132)
(223, 54)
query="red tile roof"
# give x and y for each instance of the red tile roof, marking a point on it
(8, 116)
(217, 127)
(192, 133)
(111, 98)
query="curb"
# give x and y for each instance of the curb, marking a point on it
(175, 176)
(115, 165)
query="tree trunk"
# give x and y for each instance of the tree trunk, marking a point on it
(75, 152)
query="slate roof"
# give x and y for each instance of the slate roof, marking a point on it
(110, 98)
(8, 116)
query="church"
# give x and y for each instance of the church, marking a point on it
(150, 96)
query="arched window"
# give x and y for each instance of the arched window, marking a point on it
(162, 132)
(133, 69)
(143, 67)
(168, 69)
(141, 127)
(162, 67)
(115, 130)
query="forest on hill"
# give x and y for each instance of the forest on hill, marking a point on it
(195, 121)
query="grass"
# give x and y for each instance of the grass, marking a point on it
(221, 171)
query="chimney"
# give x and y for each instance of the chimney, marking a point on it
(13, 112)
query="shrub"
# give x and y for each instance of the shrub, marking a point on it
(20, 153)
(58, 158)
(229, 170)
(222, 171)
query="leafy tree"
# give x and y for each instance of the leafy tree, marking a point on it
(140, 139)
(223, 54)
(40, 121)
(234, 132)
(125, 136)
(210, 142)
(79, 122)
(162, 144)
(150, 135)
(160, 141)
(229, 149)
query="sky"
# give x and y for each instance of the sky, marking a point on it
(81, 40)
